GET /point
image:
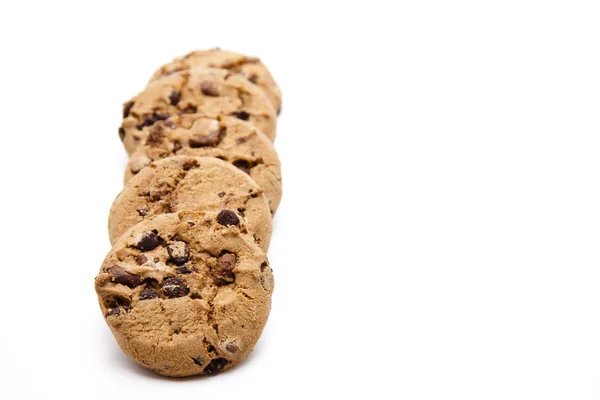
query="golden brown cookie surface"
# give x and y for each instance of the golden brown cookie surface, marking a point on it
(186, 293)
(249, 67)
(208, 91)
(182, 183)
(227, 138)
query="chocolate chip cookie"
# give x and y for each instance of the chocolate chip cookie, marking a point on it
(249, 67)
(191, 183)
(228, 138)
(186, 293)
(208, 91)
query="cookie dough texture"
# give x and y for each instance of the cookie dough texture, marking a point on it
(191, 183)
(186, 293)
(250, 68)
(228, 138)
(208, 91)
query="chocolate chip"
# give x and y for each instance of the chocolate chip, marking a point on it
(156, 260)
(223, 272)
(119, 275)
(148, 294)
(228, 217)
(176, 146)
(221, 194)
(254, 195)
(243, 165)
(155, 136)
(141, 211)
(174, 98)
(189, 109)
(174, 287)
(126, 108)
(190, 224)
(149, 241)
(189, 164)
(179, 252)
(121, 133)
(113, 311)
(209, 89)
(183, 270)
(243, 115)
(151, 119)
(232, 347)
(216, 365)
(141, 259)
(213, 138)
(197, 361)
(253, 78)
(240, 140)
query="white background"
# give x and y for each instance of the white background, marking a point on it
(439, 232)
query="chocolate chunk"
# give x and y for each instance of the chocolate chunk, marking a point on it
(151, 119)
(221, 194)
(213, 138)
(174, 98)
(189, 109)
(232, 347)
(216, 365)
(141, 211)
(209, 89)
(183, 270)
(189, 164)
(121, 133)
(148, 294)
(179, 252)
(175, 287)
(141, 259)
(155, 136)
(223, 272)
(126, 108)
(149, 241)
(243, 165)
(113, 311)
(243, 115)
(119, 275)
(197, 361)
(228, 217)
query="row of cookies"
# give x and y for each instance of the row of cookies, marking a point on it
(186, 288)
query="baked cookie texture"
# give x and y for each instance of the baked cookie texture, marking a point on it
(228, 138)
(209, 91)
(186, 293)
(250, 68)
(182, 183)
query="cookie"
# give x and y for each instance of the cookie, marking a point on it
(249, 67)
(227, 138)
(186, 293)
(208, 91)
(191, 183)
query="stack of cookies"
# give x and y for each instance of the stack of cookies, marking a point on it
(186, 288)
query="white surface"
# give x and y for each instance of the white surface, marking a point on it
(438, 236)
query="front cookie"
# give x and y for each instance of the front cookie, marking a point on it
(182, 183)
(186, 293)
